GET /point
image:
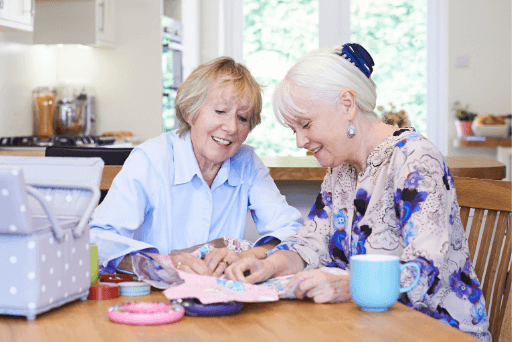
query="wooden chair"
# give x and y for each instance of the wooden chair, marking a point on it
(489, 231)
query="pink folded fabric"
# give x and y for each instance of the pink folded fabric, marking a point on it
(215, 290)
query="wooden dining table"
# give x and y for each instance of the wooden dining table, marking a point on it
(284, 320)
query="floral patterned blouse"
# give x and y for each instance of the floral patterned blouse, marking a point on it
(403, 203)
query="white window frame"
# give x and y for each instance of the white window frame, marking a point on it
(334, 28)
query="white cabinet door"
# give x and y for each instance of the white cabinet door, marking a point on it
(105, 21)
(17, 14)
(86, 22)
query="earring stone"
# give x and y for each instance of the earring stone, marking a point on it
(351, 131)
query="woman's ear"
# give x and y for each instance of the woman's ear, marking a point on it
(348, 103)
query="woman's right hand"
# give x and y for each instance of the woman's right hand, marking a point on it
(191, 264)
(250, 270)
(253, 270)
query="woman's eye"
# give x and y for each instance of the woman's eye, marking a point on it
(219, 112)
(242, 119)
(306, 125)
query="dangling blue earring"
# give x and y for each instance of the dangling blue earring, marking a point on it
(351, 131)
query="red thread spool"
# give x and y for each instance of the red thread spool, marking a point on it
(103, 291)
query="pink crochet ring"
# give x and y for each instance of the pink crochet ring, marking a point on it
(144, 313)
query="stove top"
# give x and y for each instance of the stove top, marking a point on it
(57, 140)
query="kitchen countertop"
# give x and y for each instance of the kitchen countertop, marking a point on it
(307, 168)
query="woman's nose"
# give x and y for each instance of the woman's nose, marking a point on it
(230, 124)
(302, 140)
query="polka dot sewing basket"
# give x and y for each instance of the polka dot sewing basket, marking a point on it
(45, 207)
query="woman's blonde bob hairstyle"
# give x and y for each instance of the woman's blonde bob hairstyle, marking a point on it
(323, 73)
(222, 71)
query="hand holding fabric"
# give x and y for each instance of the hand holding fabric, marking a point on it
(257, 270)
(188, 263)
(219, 259)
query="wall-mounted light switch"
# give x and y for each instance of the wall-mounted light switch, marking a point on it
(461, 61)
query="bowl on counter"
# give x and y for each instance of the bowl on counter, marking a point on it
(490, 131)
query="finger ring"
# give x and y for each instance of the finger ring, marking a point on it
(226, 262)
(179, 264)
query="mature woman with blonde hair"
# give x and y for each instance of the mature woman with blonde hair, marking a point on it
(387, 191)
(196, 184)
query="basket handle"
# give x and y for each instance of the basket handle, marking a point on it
(88, 211)
(59, 233)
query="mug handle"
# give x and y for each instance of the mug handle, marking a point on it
(410, 264)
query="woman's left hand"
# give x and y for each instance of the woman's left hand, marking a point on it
(219, 259)
(322, 287)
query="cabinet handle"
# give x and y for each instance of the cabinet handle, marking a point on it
(102, 5)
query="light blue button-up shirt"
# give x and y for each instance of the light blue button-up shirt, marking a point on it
(159, 201)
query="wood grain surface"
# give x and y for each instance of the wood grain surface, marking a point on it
(488, 142)
(471, 194)
(285, 320)
(307, 168)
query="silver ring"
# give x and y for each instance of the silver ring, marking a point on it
(179, 264)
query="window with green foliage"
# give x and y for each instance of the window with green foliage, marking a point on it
(278, 32)
(395, 33)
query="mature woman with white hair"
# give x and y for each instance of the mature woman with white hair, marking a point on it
(196, 184)
(387, 191)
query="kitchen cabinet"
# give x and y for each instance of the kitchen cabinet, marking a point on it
(17, 15)
(86, 22)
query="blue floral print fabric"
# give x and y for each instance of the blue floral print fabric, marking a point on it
(403, 203)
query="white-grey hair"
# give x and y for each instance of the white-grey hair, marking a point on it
(323, 73)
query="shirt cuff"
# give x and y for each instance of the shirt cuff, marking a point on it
(264, 240)
(112, 265)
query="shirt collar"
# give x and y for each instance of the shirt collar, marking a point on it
(186, 166)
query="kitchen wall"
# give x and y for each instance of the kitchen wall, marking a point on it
(22, 68)
(483, 34)
(127, 80)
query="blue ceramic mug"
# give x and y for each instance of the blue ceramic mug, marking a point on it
(375, 280)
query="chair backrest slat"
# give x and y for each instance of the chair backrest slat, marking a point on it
(492, 266)
(489, 200)
(483, 252)
(500, 284)
(474, 233)
(464, 216)
(506, 316)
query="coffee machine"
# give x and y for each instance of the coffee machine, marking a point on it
(75, 111)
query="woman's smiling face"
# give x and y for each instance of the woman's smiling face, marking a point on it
(220, 127)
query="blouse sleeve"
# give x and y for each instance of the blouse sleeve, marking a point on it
(311, 240)
(116, 219)
(273, 216)
(426, 208)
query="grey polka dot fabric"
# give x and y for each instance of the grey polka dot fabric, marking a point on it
(41, 269)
